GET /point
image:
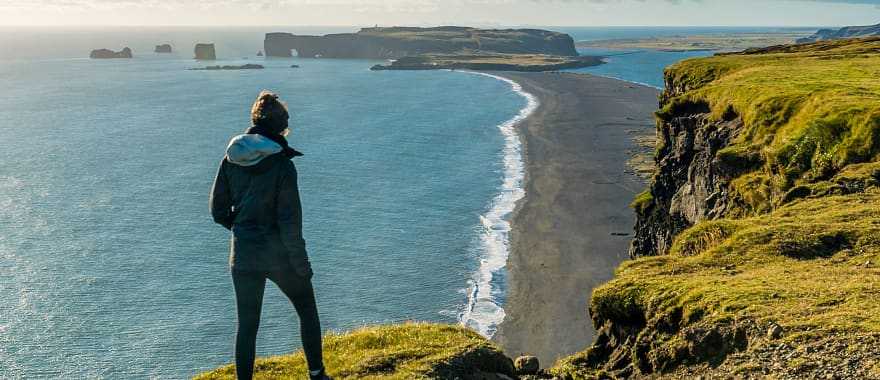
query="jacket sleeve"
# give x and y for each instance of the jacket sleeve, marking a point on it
(290, 212)
(220, 201)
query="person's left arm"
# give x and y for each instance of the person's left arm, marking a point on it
(220, 201)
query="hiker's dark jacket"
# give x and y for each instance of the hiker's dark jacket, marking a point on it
(255, 195)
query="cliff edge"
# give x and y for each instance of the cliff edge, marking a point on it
(757, 247)
(397, 352)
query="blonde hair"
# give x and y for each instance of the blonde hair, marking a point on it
(269, 112)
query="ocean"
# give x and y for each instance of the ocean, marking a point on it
(110, 265)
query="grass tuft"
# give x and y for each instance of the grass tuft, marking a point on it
(394, 352)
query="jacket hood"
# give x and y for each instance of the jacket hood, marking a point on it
(250, 149)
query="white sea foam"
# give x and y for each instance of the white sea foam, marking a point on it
(483, 311)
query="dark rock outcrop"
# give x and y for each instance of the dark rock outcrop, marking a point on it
(205, 52)
(845, 32)
(397, 42)
(163, 48)
(690, 184)
(109, 54)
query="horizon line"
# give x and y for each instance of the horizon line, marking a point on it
(479, 25)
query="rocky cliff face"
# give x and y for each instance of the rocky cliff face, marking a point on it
(397, 42)
(764, 206)
(690, 183)
(845, 32)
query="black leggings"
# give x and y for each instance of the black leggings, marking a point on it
(249, 287)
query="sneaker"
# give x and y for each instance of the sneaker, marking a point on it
(320, 376)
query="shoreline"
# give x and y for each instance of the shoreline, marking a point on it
(572, 227)
(483, 312)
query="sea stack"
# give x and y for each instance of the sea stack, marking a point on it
(163, 48)
(108, 54)
(260, 53)
(205, 52)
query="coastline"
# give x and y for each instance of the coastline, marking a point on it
(483, 312)
(572, 228)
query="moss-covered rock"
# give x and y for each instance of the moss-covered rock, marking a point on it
(395, 352)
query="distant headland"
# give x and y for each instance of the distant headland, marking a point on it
(444, 47)
(845, 32)
(398, 42)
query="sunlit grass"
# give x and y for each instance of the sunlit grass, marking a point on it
(808, 111)
(396, 352)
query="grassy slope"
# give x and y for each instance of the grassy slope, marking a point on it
(398, 352)
(802, 250)
(807, 113)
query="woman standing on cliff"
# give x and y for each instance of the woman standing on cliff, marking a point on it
(255, 195)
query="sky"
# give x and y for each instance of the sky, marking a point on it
(441, 12)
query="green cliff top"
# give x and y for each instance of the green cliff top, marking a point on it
(787, 282)
(808, 112)
(398, 352)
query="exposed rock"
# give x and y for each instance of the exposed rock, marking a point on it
(205, 52)
(108, 54)
(690, 182)
(249, 66)
(774, 332)
(527, 365)
(294, 66)
(260, 53)
(397, 42)
(845, 32)
(163, 48)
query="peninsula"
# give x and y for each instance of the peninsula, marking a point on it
(397, 42)
(490, 62)
(446, 47)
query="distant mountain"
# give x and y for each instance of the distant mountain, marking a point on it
(845, 32)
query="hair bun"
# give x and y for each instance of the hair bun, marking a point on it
(268, 110)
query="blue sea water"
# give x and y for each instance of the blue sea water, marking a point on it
(646, 66)
(110, 266)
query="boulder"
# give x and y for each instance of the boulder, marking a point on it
(526, 365)
(108, 54)
(163, 48)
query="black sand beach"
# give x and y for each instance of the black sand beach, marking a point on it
(574, 225)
